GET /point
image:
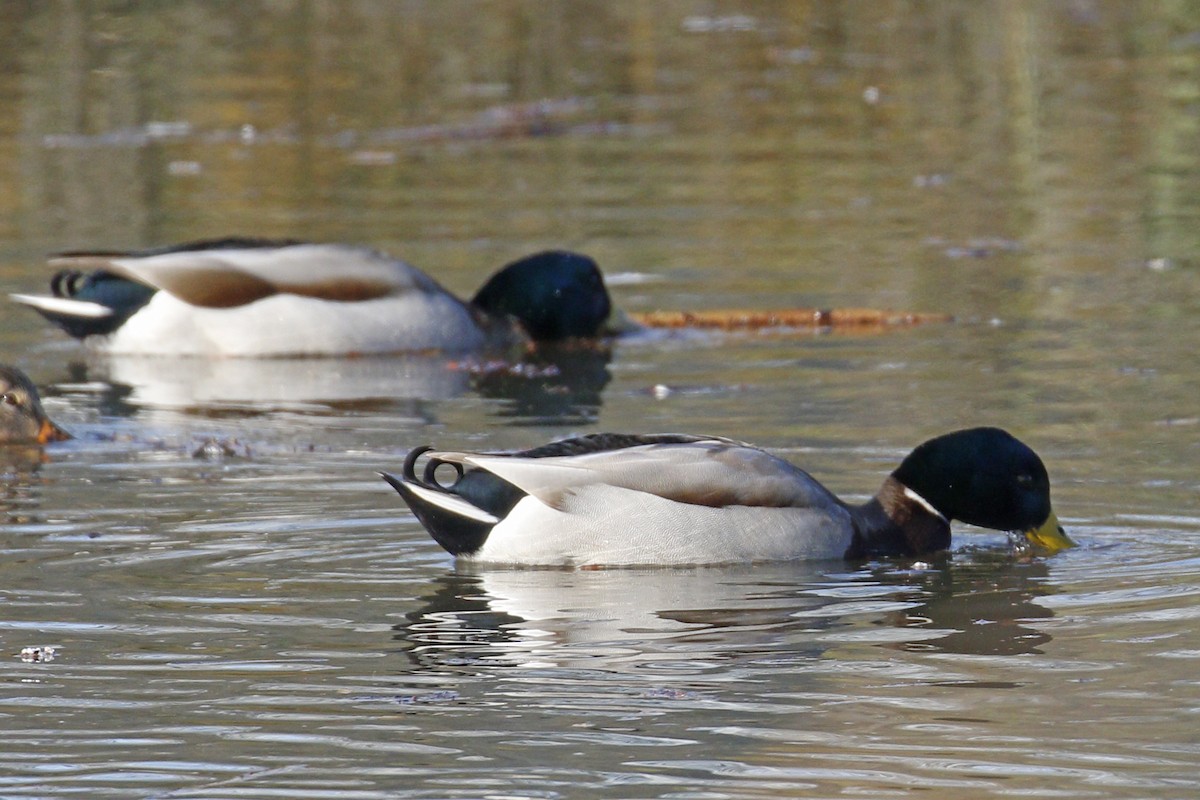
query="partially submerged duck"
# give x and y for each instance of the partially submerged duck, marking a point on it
(676, 499)
(22, 418)
(256, 297)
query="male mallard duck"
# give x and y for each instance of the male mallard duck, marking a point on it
(22, 419)
(672, 499)
(254, 297)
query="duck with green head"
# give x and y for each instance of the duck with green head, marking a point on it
(266, 298)
(677, 499)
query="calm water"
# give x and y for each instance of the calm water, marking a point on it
(241, 609)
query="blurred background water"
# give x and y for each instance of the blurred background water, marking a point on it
(240, 608)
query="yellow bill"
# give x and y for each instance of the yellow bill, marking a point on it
(1049, 536)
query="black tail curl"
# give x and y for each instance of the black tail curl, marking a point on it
(65, 283)
(428, 477)
(457, 533)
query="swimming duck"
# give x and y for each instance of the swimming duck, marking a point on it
(674, 499)
(22, 419)
(257, 297)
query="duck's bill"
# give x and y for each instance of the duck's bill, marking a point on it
(49, 432)
(1049, 536)
(620, 324)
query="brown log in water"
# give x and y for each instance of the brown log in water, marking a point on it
(802, 318)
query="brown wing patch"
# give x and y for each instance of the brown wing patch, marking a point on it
(746, 476)
(756, 478)
(718, 497)
(219, 286)
(765, 494)
(215, 287)
(349, 290)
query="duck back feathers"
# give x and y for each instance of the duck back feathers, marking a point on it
(228, 273)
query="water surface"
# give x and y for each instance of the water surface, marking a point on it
(240, 608)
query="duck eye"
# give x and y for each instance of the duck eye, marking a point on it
(10, 399)
(1025, 480)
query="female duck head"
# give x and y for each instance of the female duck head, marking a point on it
(985, 477)
(554, 295)
(22, 419)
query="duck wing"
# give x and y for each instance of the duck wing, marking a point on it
(696, 470)
(235, 272)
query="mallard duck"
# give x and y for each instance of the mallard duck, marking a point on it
(22, 419)
(674, 499)
(255, 297)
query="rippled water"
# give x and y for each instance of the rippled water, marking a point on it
(239, 607)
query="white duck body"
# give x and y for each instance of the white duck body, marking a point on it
(611, 499)
(288, 325)
(592, 529)
(681, 500)
(291, 299)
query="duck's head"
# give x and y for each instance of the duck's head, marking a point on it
(985, 477)
(554, 295)
(22, 420)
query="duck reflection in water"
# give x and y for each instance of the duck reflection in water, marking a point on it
(985, 604)
(559, 384)
(982, 603)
